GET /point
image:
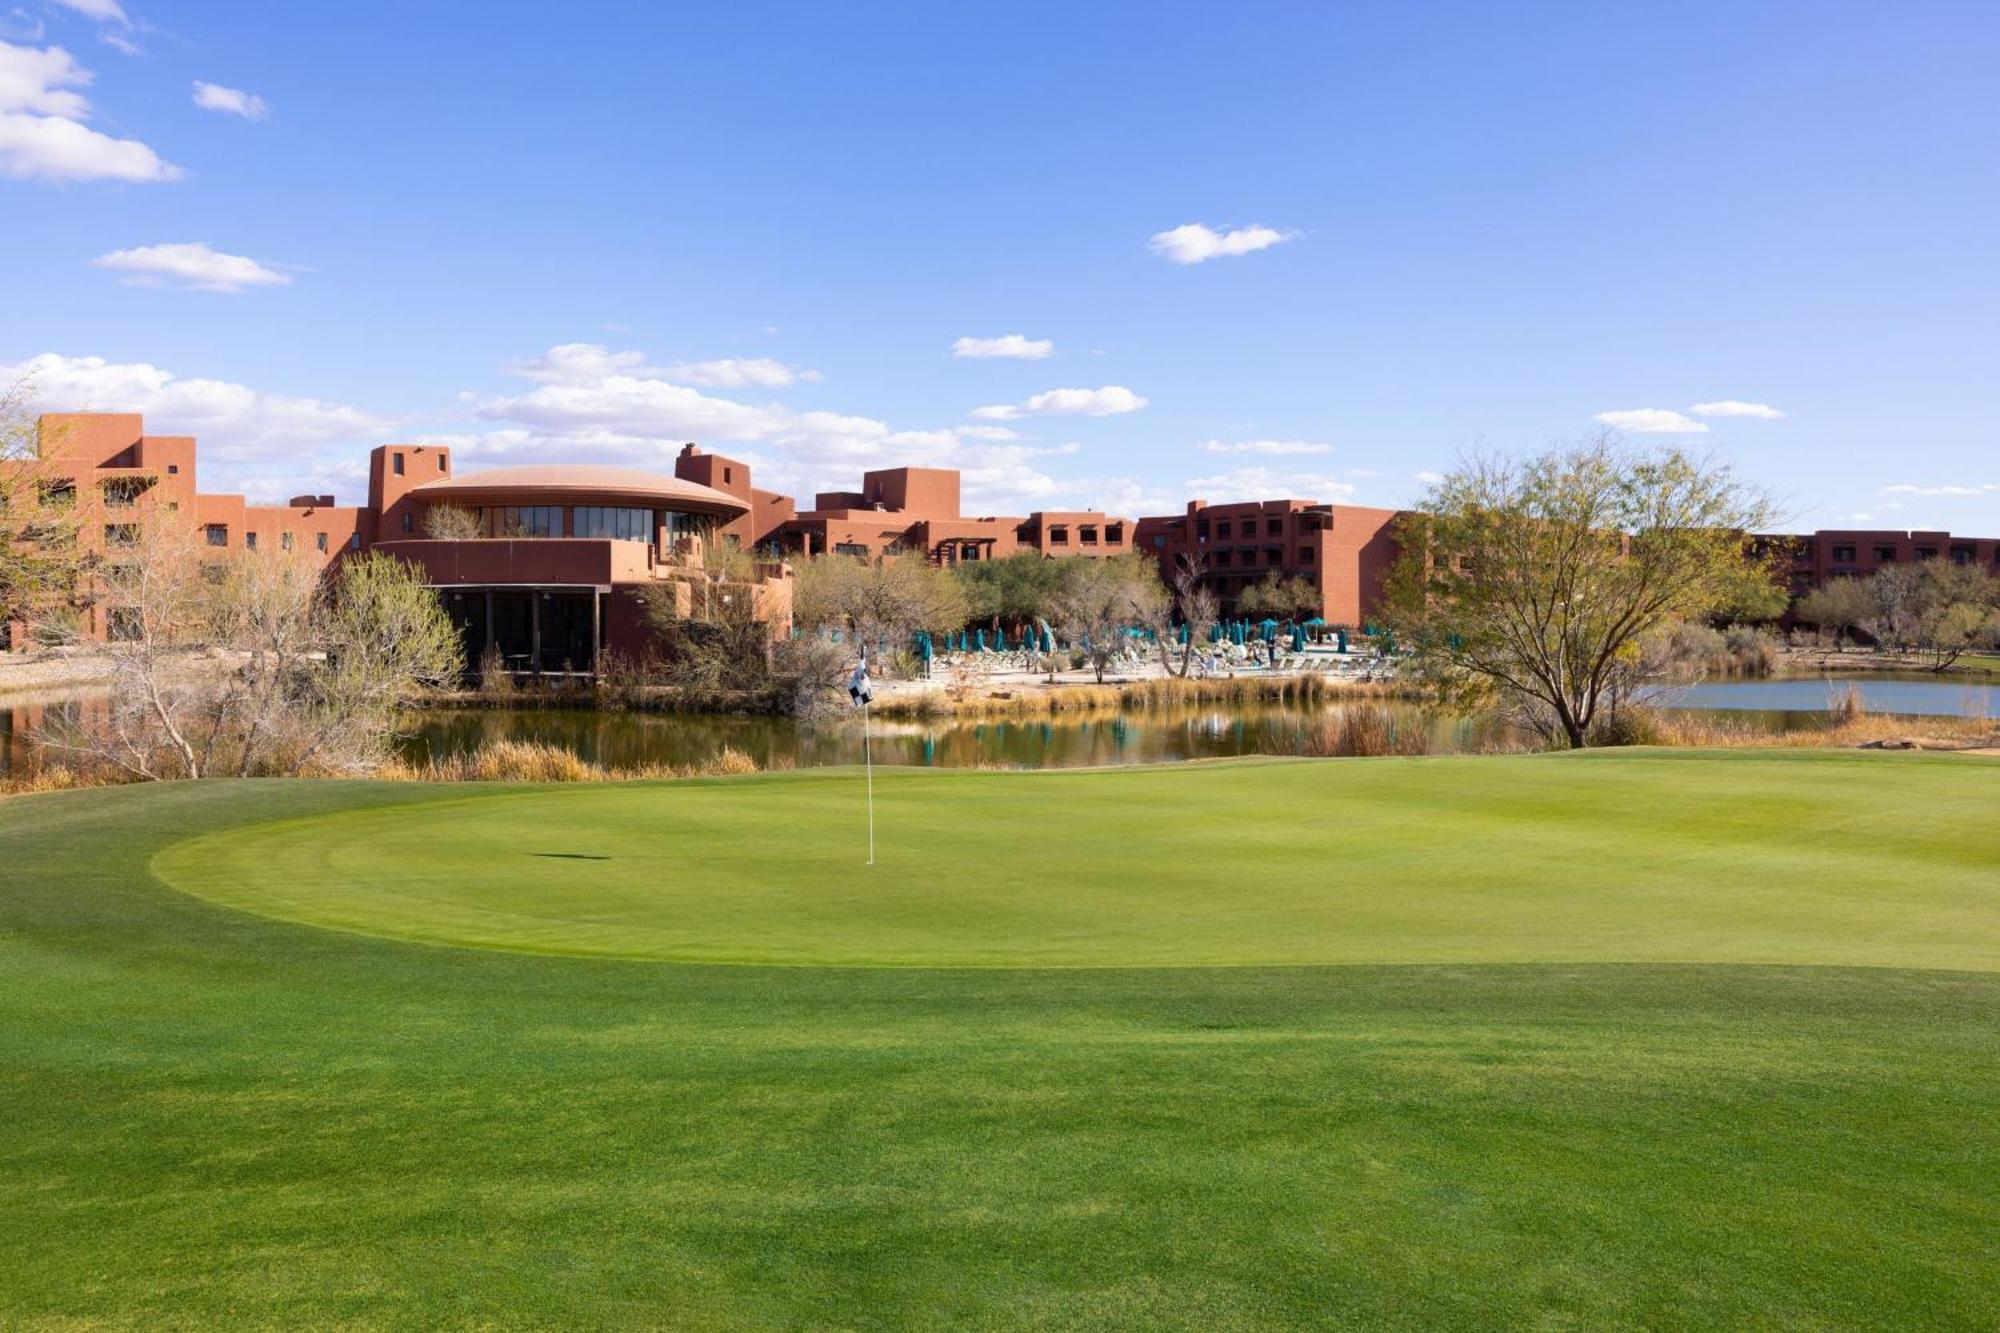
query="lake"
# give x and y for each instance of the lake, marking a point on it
(630, 740)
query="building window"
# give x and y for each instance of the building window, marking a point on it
(442, 463)
(396, 464)
(249, 541)
(57, 494)
(120, 534)
(1274, 555)
(1274, 527)
(1885, 555)
(284, 541)
(409, 521)
(1927, 553)
(1058, 535)
(319, 542)
(124, 492)
(531, 521)
(1305, 555)
(1843, 555)
(728, 475)
(1087, 535)
(217, 534)
(849, 548)
(1114, 534)
(625, 525)
(969, 553)
(1222, 559)
(1963, 555)
(1159, 541)
(173, 469)
(353, 543)
(1221, 529)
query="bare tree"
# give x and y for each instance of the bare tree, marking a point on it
(1190, 604)
(1539, 576)
(453, 523)
(1100, 599)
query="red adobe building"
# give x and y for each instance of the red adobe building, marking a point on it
(903, 510)
(1344, 551)
(563, 558)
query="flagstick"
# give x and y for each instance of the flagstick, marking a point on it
(868, 766)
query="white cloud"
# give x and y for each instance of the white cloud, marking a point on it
(1429, 478)
(1195, 242)
(42, 134)
(578, 363)
(1730, 407)
(107, 11)
(593, 404)
(1264, 483)
(1012, 346)
(739, 373)
(1265, 447)
(1950, 489)
(233, 101)
(1111, 400)
(271, 445)
(1651, 421)
(190, 264)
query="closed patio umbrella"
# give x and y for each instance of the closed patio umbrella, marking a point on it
(1000, 639)
(982, 640)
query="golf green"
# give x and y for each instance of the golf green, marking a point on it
(1669, 857)
(1617, 1041)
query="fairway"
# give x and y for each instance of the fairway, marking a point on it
(1607, 1041)
(1669, 857)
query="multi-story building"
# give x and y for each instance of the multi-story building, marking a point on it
(1344, 551)
(1813, 559)
(549, 566)
(915, 510)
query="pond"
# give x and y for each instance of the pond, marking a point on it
(632, 740)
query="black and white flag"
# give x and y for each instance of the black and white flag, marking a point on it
(858, 688)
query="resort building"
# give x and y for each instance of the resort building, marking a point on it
(1815, 559)
(548, 566)
(915, 510)
(1344, 551)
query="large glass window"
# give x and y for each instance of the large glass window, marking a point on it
(625, 525)
(531, 521)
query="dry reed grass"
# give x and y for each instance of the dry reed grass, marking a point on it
(534, 761)
(1137, 696)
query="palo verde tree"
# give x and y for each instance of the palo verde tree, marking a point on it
(1539, 577)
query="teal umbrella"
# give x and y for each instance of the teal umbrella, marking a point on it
(982, 640)
(1298, 638)
(1000, 639)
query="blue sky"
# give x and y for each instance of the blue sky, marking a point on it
(593, 232)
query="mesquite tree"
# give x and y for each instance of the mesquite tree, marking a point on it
(1540, 576)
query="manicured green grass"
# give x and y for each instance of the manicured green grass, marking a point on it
(1676, 856)
(214, 1118)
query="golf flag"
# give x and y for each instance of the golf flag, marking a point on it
(858, 688)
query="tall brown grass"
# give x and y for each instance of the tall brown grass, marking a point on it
(1366, 731)
(534, 761)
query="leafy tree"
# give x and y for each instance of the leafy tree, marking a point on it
(1015, 591)
(1954, 609)
(39, 558)
(884, 601)
(1538, 577)
(1279, 597)
(1843, 605)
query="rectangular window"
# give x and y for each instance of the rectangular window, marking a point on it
(409, 521)
(319, 541)
(1927, 553)
(1222, 559)
(1159, 541)
(1963, 555)
(1087, 535)
(124, 492)
(1058, 535)
(969, 553)
(1885, 554)
(1221, 529)
(217, 534)
(849, 548)
(441, 462)
(120, 534)
(1274, 527)
(619, 524)
(1305, 555)
(396, 464)
(353, 543)
(57, 494)
(284, 541)
(173, 469)
(1843, 555)
(1274, 555)
(249, 541)
(1114, 534)
(531, 521)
